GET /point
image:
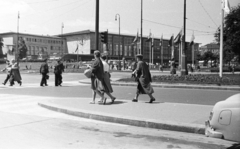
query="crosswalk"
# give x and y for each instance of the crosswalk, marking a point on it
(36, 85)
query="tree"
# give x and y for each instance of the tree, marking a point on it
(231, 33)
(209, 56)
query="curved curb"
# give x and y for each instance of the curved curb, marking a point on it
(156, 124)
(172, 86)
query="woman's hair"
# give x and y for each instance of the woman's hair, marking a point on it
(104, 57)
(97, 53)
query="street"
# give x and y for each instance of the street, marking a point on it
(24, 124)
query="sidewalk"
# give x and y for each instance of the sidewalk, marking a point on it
(165, 85)
(158, 115)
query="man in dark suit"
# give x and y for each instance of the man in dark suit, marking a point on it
(58, 69)
(44, 71)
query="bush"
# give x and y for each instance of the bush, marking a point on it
(225, 69)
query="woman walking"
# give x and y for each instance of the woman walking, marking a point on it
(15, 73)
(107, 83)
(97, 83)
(143, 79)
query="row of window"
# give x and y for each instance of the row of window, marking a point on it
(36, 50)
(39, 40)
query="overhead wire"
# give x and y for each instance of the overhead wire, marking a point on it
(207, 12)
(67, 11)
(175, 26)
(201, 23)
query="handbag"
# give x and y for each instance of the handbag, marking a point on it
(47, 77)
(88, 73)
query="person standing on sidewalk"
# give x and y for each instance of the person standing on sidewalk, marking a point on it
(143, 79)
(97, 82)
(8, 69)
(15, 73)
(108, 86)
(58, 69)
(44, 71)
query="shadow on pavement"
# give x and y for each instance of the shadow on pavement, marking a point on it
(234, 146)
(115, 102)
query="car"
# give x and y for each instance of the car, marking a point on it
(224, 120)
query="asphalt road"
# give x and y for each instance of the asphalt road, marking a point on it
(71, 88)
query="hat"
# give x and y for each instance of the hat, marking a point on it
(139, 55)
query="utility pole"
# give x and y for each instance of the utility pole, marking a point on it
(183, 62)
(141, 41)
(16, 50)
(97, 26)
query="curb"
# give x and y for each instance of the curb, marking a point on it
(148, 123)
(173, 86)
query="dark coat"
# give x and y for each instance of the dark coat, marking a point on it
(144, 78)
(44, 68)
(59, 68)
(97, 69)
(97, 78)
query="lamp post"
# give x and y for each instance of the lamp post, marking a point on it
(119, 40)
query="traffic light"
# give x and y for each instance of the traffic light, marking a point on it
(104, 37)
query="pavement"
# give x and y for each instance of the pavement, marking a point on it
(158, 115)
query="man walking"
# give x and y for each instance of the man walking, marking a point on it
(44, 71)
(58, 69)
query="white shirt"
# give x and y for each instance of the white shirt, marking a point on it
(105, 66)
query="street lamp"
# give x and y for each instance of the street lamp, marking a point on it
(119, 40)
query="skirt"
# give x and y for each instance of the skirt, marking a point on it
(108, 86)
(144, 89)
(97, 84)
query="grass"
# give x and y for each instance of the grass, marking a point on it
(203, 79)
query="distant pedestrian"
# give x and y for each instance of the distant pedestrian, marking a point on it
(58, 70)
(44, 71)
(8, 70)
(106, 78)
(143, 79)
(172, 66)
(97, 78)
(161, 68)
(15, 73)
(233, 68)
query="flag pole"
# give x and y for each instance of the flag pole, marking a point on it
(162, 50)
(141, 27)
(221, 45)
(172, 47)
(17, 37)
(152, 46)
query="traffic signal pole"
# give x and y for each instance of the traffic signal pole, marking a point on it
(97, 26)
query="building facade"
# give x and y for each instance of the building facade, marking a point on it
(122, 47)
(36, 45)
(212, 47)
(81, 45)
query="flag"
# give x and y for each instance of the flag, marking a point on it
(76, 48)
(18, 15)
(226, 6)
(192, 40)
(149, 37)
(135, 39)
(161, 41)
(62, 25)
(177, 39)
(170, 43)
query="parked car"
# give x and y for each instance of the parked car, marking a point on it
(224, 120)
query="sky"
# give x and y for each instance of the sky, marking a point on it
(160, 17)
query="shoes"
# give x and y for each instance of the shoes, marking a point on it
(92, 102)
(20, 83)
(42, 85)
(151, 100)
(60, 85)
(104, 101)
(134, 100)
(3, 83)
(113, 99)
(46, 84)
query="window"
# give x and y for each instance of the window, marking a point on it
(125, 51)
(110, 49)
(121, 50)
(130, 51)
(33, 50)
(116, 50)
